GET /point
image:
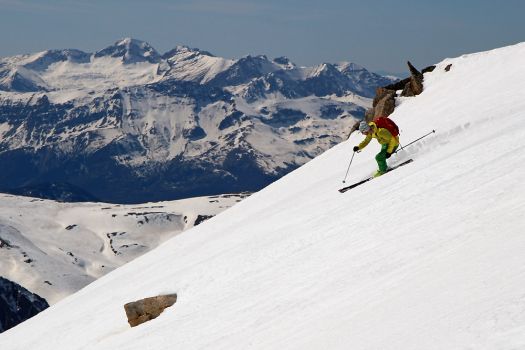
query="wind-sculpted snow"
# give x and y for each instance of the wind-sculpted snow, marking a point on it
(128, 125)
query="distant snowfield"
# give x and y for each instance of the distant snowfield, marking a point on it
(54, 249)
(430, 256)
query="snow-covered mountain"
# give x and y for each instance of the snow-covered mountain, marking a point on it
(429, 256)
(54, 249)
(127, 124)
(131, 51)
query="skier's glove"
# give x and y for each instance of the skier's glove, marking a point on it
(356, 148)
(388, 155)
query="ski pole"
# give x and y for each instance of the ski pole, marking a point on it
(402, 148)
(353, 154)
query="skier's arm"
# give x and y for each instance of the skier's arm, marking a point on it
(365, 142)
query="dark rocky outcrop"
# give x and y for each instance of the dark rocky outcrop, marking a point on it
(415, 84)
(143, 310)
(61, 192)
(201, 218)
(384, 101)
(17, 304)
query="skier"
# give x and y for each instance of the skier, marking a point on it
(387, 134)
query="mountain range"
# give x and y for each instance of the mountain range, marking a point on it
(127, 124)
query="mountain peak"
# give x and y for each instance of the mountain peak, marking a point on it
(22, 80)
(348, 67)
(129, 41)
(284, 62)
(324, 69)
(42, 60)
(183, 50)
(131, 51)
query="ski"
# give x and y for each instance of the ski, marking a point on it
(344, 189)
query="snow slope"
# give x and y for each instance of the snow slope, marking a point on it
(429, 256)
(54, 249)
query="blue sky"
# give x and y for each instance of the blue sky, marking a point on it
(378, 34)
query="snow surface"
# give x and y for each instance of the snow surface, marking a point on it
(54, 249)
(429, 256)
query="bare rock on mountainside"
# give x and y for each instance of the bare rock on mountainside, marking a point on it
(415, 84)
(17, 304)
(384, 101)
(147, 309)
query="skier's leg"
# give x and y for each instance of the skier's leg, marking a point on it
(381, 159)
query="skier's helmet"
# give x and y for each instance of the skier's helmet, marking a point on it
(364, 127)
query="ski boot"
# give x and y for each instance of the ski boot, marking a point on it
(379, 173)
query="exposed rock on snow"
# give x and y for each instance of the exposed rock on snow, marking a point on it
(147, 309)
(415, 85)
(384, 102)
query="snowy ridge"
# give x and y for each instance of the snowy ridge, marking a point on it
(301, 266)
(54, 249)
(131, 62)
(131, 51)
(195, 65)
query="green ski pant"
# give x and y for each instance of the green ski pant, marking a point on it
(381, 158)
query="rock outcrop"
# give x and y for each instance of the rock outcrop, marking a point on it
(17, 304)
(384, 102)
(147, 309)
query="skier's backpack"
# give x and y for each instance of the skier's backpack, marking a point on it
(387, 123)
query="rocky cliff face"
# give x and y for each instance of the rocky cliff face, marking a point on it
(128, 125)
(17, 304)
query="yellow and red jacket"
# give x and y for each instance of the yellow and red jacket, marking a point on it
(383, 136)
